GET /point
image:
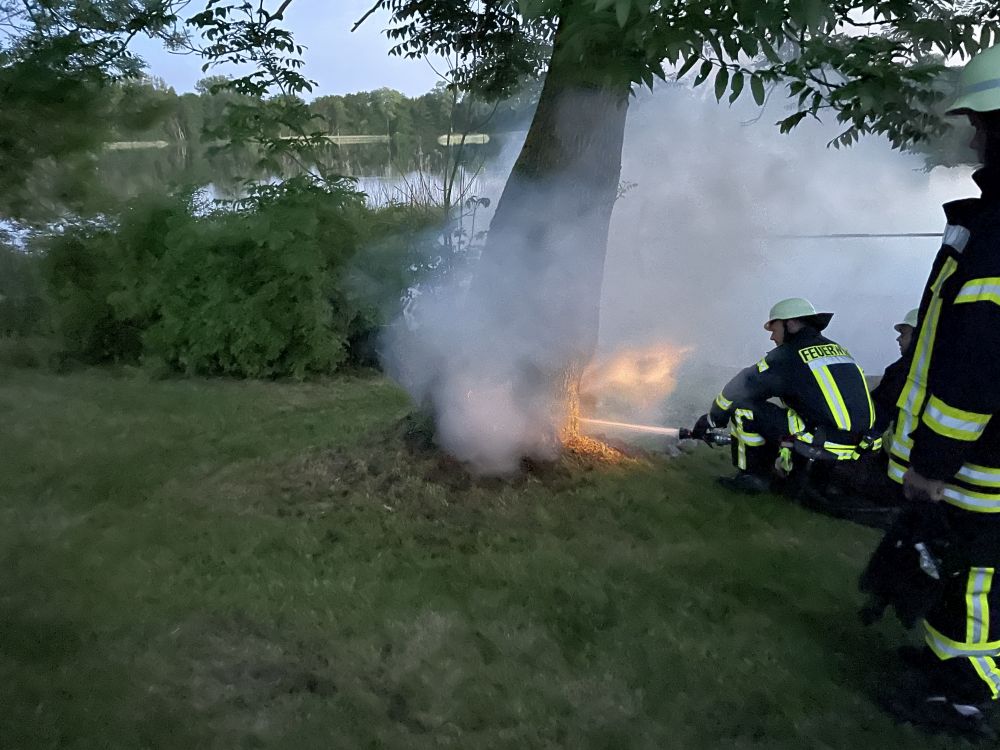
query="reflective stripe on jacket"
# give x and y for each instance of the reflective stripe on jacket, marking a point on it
(947, 428)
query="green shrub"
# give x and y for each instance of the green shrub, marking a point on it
(248, 292)
(19, 352)
(82, 267)
(294, 280)
(395, 244)
(22, 304)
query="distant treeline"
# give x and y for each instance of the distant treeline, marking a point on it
(186, 122)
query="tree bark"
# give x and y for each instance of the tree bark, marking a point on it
(542, 266)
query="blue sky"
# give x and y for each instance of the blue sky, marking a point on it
(339, 61)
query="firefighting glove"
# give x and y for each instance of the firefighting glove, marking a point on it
(701, 428)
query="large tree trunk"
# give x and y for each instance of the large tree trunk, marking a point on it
(543, 264)
(499, 363)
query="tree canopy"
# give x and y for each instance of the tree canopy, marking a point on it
(874, 65)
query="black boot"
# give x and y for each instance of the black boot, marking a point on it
(915, 700)
(746, 483)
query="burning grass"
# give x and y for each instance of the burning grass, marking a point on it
(591, 452)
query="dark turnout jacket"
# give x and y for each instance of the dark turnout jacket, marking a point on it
(948, 427)
(886, 394)
(812, 375)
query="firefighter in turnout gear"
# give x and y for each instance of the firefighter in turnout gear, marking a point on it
(827, 411)
(893, 380)
(861, 491)
(945, 450)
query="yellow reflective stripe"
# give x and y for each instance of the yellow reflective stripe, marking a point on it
(988, 672)
(842, 452)
(978, 502)
(763, 365)
(957, 424)
(984, 476)
(947, 648)
(902, 443)
(795, 423)
(911, 399)
(722, 402)
(752, 439)
(977, 606)
(742, 437)
(896, 471)
(901, 446)
(980, 290)
(973, 627)
(834, 399)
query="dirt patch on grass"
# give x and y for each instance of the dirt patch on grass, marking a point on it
(401, 468)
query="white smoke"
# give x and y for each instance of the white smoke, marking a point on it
(696, 259)
(696, 255)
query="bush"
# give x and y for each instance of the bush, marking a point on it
(278, 286)
(82, 268)
(19, 352)
(396, 241)
(22, 306)
(248, 293)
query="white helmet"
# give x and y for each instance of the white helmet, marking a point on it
(979, 84)
(797, 307)
(911, 319)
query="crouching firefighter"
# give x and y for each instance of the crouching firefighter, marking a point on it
(945, 450)
(826, 412)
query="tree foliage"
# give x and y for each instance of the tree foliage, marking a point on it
(874, 65)
(57, 59)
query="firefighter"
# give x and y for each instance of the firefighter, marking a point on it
(945, 450)
(886, 393)
(861, 491)
(826, 405)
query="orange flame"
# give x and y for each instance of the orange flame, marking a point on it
(634, 379)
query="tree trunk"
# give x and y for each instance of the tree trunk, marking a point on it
(499, 362)
(542, 267)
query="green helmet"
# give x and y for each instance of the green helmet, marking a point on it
(796, 307)
(979, 84)
(911, 319)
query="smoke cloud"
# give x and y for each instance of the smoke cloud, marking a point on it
(701, 246)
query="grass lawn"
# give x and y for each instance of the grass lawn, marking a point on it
(209, 564)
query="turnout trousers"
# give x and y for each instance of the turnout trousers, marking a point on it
(757, 428)
(962, 633)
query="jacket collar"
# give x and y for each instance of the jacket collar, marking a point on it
(806, 333)
(988, 179)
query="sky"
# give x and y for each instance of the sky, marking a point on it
(339, 61)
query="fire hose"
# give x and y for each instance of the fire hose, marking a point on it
(712, 437)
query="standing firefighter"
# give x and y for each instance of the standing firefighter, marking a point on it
(826, 412)
(893, 381)
(946, 446)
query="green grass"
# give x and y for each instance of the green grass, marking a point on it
(209, 564)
